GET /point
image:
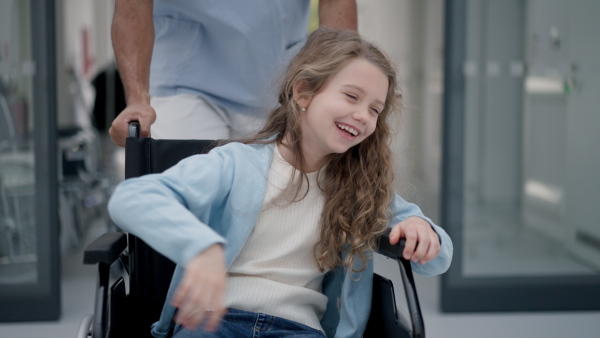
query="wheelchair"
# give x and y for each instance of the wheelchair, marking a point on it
(133, 279)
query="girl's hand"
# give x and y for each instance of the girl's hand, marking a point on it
(200, 297)
(422, 242)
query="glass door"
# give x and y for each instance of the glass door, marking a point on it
(29, 262)
(521, 155)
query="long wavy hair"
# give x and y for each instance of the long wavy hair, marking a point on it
(358, 184)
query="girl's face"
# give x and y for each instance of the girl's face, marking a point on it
(344, 112)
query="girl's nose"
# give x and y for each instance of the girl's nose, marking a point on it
(361, 114)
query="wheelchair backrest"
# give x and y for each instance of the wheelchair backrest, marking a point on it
(151, 272)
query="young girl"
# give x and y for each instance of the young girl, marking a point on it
(273, 235)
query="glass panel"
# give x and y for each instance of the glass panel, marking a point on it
(29, 264)
(18, 242)
(521, 155)
(525, 212)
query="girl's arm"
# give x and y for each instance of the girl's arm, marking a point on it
(170, 211)
(427, 245)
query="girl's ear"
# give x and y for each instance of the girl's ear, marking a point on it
(300, 97)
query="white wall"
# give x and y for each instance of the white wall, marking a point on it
(77, 20)
(411, 32)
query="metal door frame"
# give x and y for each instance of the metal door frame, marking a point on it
(41, 301)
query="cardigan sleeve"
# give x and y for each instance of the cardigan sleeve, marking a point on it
(171, 211)
(401, 210)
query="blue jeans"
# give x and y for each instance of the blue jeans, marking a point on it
(242, 324)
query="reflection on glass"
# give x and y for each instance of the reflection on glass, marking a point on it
(531, 140)
(18, 242)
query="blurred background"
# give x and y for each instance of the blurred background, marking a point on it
(499, 143)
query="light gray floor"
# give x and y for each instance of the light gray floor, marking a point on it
(77, 293)
(495, 325)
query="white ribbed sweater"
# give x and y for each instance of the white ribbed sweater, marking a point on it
(276, 272)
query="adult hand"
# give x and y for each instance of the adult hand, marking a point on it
(422, 242)
(200, 297)
(141, 112)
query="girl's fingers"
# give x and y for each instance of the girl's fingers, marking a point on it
(422, 242)
(193, 313)
(214, 319)
(189, 302)
(179, 295)
(395, 234)
(398, 232)
(202, 289)
(207, 316)
(410, 244)
(434, 247)
(200, 306)
(423, 246)
(217, 310)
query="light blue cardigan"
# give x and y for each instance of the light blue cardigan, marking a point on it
(216, 198)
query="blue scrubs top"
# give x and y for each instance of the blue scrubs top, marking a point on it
(231, 52)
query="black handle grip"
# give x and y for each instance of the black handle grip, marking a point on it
(388, 250)
(133, 129)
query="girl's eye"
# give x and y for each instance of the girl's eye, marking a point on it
(376, 111)
(352, 96)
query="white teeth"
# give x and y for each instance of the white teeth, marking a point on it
(348, 129)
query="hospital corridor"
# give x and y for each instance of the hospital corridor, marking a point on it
(498, 142)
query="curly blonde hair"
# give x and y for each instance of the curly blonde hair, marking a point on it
(358, 184)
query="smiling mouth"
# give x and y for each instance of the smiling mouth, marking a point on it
(348, 130)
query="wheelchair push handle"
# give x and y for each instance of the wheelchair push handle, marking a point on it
(134, 129)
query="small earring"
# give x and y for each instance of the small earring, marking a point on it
(303, 109)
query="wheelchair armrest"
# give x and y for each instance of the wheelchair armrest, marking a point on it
(105, 249)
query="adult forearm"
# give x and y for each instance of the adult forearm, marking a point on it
(338, 14)
(133, 40)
